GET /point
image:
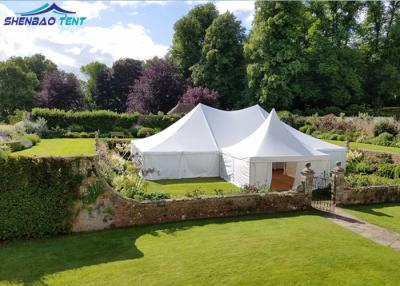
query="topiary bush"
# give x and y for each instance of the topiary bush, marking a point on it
(37, 196)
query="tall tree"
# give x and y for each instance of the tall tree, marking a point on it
(124, 73)
(275, 52)
(333, 77)
(103, 90)
(222, 65)
(61, 90)
(189, 33)
(379, 41)
(92, 71)
(38, 64)
(158, 89)
(17, 88)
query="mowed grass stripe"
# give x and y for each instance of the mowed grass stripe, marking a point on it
(63, 147)
(294, 249)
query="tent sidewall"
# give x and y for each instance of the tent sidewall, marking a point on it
(179, 165)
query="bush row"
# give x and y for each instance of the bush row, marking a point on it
(60, 122)
(36, 197)
(89, 121)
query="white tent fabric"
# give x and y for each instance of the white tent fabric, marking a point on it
(272, 142)
(230, 127)
(190, 147)
(336, 153)
(238, 146)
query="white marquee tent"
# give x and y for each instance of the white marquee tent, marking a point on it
(190, 147)
(208, 142)
(249, 162)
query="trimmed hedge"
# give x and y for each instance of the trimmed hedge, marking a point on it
(90, 121)
(60, 121)
(158, 121)
(37, 196)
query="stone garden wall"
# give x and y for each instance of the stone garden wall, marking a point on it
(369, 195)
(112, 210)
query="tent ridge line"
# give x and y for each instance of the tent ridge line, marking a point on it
(210, 129)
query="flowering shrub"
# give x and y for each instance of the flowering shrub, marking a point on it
(354, 156)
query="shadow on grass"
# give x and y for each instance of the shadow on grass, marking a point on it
(371, 209)
(28, 261)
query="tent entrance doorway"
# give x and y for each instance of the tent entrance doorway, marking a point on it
(281, 180)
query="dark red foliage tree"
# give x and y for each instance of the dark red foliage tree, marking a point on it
(158, 89)
(61, 90)
(196, 95)
(124, 73)
(103, 91)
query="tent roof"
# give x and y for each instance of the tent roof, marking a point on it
(274, 141)
(207, 129)
(230, 127)
(204, 129)
(313, 142)
(189, 134)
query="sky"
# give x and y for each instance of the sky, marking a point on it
(113, 30)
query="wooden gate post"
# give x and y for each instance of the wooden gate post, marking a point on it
(337, 174)
(307, 181)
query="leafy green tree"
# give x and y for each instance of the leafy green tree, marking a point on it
(275, 53)
(189, 33)
(17, 88)
(40, 65)
(222, 65)
(334, 62)
(379, 41)
(37, 63)
(92, 71)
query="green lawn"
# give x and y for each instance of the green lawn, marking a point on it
(60, 147)
(295, 249)
(179, 187)
(385, 215)
(365, 146)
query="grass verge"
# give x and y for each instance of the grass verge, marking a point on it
(180, 187)
(384, 215)
(293, 249)
(355, 145)
(60, 147)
